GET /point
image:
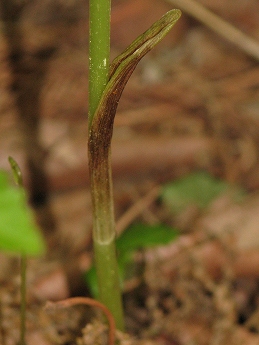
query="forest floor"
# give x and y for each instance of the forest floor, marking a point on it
(191, 105)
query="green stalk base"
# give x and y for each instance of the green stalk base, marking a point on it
(108, 280)
(23, 300)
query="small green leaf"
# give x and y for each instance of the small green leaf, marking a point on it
(18, 232)
(140, 236)
(143, 236)
(198, 188)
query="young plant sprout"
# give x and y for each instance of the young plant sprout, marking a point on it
(17, 175)
(105, 89)
(24, 238)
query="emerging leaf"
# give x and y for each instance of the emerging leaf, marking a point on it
(18, 232)
(198, 188)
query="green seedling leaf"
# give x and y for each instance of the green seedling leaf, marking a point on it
(18, 232)
(198, 188)
(138, 236)
(145, 236)
(141, 236)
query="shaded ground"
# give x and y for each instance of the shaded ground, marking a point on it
(191, 104)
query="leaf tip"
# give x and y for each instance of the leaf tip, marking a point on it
(174, 14)
(17, 174)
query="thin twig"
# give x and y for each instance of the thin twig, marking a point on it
(70, 302)
(246, 43)
(136, 209)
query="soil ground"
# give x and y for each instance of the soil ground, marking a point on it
(192, 104)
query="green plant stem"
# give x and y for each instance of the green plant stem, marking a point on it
(107, 273)
(99, 51)
(100, 175)
(23, 299)
(104, 237)
(17, 174)
(101, 117)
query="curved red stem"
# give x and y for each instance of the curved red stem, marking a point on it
(69, 302)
